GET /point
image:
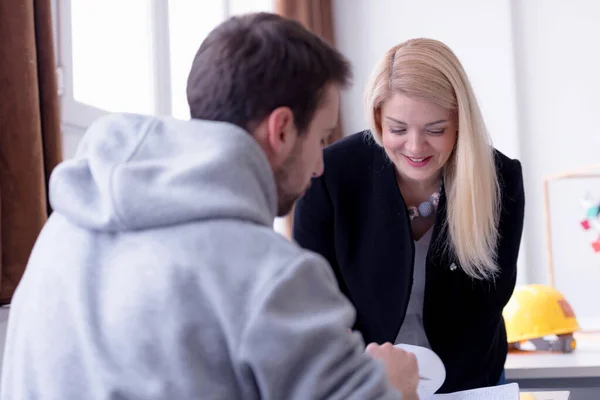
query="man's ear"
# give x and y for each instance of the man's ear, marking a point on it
(281, 133)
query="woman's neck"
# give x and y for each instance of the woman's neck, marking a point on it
(414, 193)
(418, 189)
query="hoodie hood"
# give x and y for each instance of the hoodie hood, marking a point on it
(138, 172)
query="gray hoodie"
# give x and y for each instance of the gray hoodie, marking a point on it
(159, 276)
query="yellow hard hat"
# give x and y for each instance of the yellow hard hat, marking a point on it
(535, 311)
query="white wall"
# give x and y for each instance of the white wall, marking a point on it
(533, 65)
(479, 32)
(558, 59)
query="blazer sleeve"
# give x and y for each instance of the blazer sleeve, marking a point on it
(510, 233)
(313, 224)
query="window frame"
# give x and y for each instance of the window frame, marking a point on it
(76, 116)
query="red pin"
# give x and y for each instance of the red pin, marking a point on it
(585, 224)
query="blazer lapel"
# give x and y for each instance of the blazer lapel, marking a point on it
(390, 251)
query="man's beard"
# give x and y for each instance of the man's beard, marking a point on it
(286, 196)
(285, 203)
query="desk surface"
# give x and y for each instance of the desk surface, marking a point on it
(583, 362)
(562, 395)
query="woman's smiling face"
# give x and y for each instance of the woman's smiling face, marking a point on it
(418, 136)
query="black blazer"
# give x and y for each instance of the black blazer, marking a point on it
(354, 215)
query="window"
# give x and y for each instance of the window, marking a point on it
(186, 33)
(131, 56)
(134, 55)
(113, 70)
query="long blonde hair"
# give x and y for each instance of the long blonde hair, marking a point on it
(428, 69)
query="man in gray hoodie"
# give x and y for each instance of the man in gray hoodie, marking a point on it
(159, 275)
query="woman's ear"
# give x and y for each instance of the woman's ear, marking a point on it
(281, 134)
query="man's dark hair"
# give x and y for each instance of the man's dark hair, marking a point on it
(252, 64)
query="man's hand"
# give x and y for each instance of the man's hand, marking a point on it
(401, 367)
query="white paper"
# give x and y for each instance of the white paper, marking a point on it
(431, 368)
(502, 392)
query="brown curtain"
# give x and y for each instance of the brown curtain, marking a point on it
(317, 16)
(30, 142)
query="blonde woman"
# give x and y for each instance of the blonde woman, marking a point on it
(421, 218)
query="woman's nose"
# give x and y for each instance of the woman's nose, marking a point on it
(415, 143)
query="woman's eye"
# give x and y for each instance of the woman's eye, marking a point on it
(398, 131)
(436, 131)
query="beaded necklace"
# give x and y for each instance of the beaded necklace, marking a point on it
(426, 208)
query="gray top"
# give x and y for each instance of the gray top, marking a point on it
(412, 330)
(159, 276)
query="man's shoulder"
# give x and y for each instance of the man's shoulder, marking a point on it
(284, 257)
(252, 252)
(287, 255)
